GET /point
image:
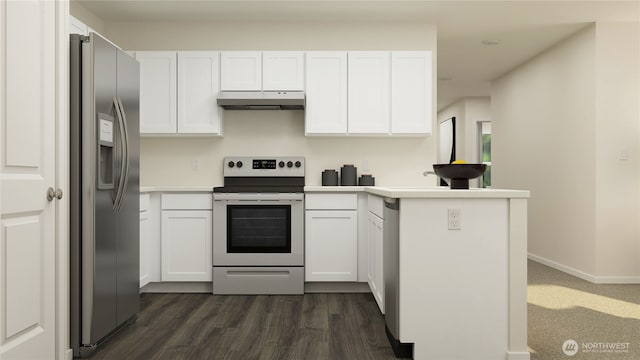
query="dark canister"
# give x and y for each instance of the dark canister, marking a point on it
(329, 177)
(366, 180)
(348, 175)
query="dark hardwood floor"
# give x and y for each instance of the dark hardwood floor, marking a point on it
(204, 326)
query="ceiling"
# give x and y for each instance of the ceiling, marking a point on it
(465, 66)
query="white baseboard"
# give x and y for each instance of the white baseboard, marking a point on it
(583, 275)
(512, 355)
(69, 354)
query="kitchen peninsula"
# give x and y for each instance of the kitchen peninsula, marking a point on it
(461, 259)
(462, 280)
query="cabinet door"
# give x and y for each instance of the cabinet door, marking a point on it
(77, 27)
(326, 92)
(157, 92)
(411, 92)
(369, 92)
(331, 245)
(198, 88)
(241, 70)
(282, 70)
(145, 230)
(376, 271)
(186, 245)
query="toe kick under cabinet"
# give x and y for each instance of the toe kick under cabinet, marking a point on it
(186, 237)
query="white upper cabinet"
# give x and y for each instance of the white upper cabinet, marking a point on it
(257, 71)
(241, 70)
(411, 92)
(326, 93)
(369, 92)
(157, 92)
(77, 27)
(282, 70)
(178, 92)
(198, 88)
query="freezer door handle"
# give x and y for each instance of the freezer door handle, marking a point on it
(121, 180)
(127, 161)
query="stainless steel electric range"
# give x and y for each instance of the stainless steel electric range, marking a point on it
(258, 226)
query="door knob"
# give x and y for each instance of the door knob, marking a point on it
(53, 194)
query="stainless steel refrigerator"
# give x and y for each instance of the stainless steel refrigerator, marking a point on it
(104, 186)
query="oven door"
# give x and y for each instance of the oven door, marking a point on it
(258, 229)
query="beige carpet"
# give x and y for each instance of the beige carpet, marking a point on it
(603, 320)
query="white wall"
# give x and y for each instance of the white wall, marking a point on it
(617, 126)
(83, 14)
(468, 112)
(397, 161)
(558, 123)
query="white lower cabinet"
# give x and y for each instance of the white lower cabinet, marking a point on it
(376, 269)
(186, 237)
(145, 233)
(331, 237)
(331, 245)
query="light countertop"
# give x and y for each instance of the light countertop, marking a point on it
(194, 188)
(334, 188)
(436, 192)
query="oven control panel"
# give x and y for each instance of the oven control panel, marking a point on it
(264, 166)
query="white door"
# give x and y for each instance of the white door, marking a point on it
(282, 70)
(411, 92)
(27, 170)
(145, 224)
(157, 92)
(331, 241)
(241, 70)
(375, 273)
(186, 245)
(198, 88)
(369, 92)
(326, 92)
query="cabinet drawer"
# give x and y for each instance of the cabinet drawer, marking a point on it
(331, 201)
(375, 205)
(144, 202)
(186, 202)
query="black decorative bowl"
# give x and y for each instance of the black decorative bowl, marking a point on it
(459, 174)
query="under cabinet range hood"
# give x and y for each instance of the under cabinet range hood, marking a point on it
(262, 100)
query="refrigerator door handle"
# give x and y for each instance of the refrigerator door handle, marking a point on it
(116, 202)
(123, 117)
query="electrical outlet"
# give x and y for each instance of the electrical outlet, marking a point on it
(454, 219)
(195, 165)
(365, 165)
(624, 154)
